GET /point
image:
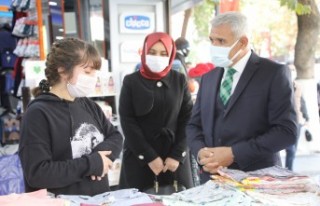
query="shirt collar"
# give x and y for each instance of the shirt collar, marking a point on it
(241, 64)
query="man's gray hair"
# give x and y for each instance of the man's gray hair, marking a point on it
(237, 22)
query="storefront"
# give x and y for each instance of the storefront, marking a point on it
(116, 28)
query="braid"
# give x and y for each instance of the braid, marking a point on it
(66, 54)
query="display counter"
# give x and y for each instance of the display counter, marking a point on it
(273, 186)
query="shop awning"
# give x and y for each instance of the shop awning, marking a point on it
(181, 5)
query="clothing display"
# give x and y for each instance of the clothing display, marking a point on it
(114, 198)
(80, 128)
(213, 193)
(209, 194)
(7, 45)
(9, 149)
(11, 176)
(272, 180)
(9, 129)
(265, 187)
(39, 197)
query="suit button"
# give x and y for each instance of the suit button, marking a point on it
(141, 157)
(184, 154)
(159, 84)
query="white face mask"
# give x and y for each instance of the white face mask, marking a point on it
(157, 63)
(220, 55)
(84, 86)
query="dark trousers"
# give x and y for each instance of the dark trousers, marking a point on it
(291, 151)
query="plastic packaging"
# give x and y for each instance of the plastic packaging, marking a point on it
(11, 176)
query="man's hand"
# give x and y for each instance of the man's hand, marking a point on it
(156, 165)
(170, 164)
(213, 158)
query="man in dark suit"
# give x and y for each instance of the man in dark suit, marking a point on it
(242, 117)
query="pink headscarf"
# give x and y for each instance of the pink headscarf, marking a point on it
(149, 41)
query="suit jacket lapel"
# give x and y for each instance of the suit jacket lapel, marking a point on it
(247, 74)
(212, 87)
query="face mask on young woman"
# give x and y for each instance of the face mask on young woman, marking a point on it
(84, 86)
(220, 55)
(157, 64)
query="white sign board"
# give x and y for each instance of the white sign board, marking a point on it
(34, 72)
(129, 51)
(141, 23)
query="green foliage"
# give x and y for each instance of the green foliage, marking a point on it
(215, 2)
(291, 4)
(300, 9)
(203, 13)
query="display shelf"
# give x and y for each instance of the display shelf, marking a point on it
(102, 95)
(40, 29)
(4, 8)
(28, 29)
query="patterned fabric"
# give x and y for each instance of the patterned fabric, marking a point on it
(225, 89)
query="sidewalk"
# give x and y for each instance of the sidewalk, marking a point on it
(307, 159)
(308, 164)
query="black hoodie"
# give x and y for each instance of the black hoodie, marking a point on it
(59, 144)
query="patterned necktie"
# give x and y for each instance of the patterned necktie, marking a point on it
(225, 88)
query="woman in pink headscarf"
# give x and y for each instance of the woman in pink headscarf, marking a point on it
(155, 106)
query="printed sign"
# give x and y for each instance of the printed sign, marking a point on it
(129, 51)
(34, 72)
(137, 23)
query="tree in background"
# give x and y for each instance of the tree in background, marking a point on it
(187, 15)
(202, 15)
(308, 18)
(280, 28)
(308, 31)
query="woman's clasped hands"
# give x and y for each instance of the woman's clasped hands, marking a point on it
(158, 165)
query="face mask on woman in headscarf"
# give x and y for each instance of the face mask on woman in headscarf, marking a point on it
(157, 55)
(156, 64)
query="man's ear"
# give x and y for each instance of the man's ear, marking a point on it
(244, 41)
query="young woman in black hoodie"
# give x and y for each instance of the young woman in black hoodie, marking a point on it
(67, 144)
